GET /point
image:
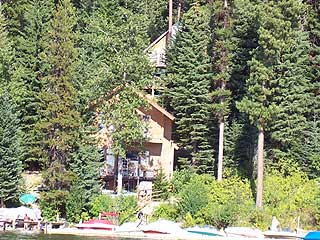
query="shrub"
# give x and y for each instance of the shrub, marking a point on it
(166, 211)
(126, 206)
(180, 178)
(229, 201)
(194, 195)
(161, 184)
(102, 203)
(53, 204)
(292, 197)
(75, 205)
(188, 221)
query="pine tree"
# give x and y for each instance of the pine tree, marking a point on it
(311, 151)
(222, 56)
(30, 68)
(10, 164)
(281, 60)
(240, 139)
(259, 85)
(6, 54)
(60, 119)
(188, 82)
(291, 86)
(85, 163)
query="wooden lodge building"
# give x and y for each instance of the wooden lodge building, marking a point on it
(159, 148)
(158, 152)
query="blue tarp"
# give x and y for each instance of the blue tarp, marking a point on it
(312, 236)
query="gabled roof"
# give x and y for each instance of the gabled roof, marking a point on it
(159, 108)
(156, 41)
(175, 29)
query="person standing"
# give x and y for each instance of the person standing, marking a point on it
(275, 224)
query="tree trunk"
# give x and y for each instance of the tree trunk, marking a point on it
(222, 101)
(179, 11)
(220, 154)
(260, 168)
(119, 187)
(170, 21)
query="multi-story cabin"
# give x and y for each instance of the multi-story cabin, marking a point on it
(158, 150)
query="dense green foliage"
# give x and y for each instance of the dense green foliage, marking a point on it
(10, 162)
(125, 206)
(187, 95)
(200, 199)
(10, 134)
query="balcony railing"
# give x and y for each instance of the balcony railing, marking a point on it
(158, 59)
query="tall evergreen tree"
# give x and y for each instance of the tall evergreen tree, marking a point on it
(311, 149)
(60, 118)
(6, 54)
(244, 41)
(10, 164)
(281, 60)
(30, 68)
(291, 85)
(221, 50)
(259, 85)
(188, 83)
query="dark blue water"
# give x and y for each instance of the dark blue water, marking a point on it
(15, 236)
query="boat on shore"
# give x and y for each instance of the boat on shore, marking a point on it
(313, 235)
(97, 224)
(207, 231)
(246, 232)
(285, 235)
(163, 227)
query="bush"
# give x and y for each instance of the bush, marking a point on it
(292, 197)
(102, 203)
(194, 195)
(126, 206)
(180, 178)
(229, 202)
(75, 205)
(53, 204)
(166, 211)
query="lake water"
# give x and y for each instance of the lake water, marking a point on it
(14, 236)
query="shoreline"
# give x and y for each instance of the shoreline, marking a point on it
(155, 236)
(131, 235)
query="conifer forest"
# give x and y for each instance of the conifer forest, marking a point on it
(242, 80)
